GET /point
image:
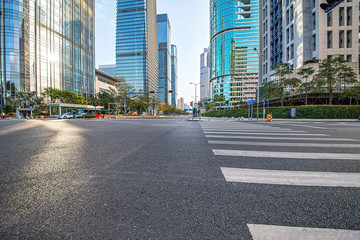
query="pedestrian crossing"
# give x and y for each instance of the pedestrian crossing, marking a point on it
(238, 141)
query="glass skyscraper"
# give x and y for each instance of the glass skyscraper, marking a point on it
(234, 63)
(46, 44)
(136, 44)
(164, 53)
(174, 75)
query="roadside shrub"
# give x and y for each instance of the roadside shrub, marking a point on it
(89, 116)
(309, 111)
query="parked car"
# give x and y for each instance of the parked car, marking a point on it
(66, 116)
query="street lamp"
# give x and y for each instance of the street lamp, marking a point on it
(195, 90)
(258, 86)
(195, 96)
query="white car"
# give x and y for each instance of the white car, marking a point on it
(66, 116)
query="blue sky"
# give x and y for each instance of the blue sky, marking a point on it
(190, 32)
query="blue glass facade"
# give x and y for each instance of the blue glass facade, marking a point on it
(164, 54)
(46, 44)
(174, 75)
(136, 43)
(234, 30)
(276, 32)
(109, 69)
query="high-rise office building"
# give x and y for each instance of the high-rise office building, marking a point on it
(46, 44)
(108, 68)
(174, 75)
(234, 62)
(136, 44)
(181, 103)
(205, 87)
(297, 31)
(164, 53)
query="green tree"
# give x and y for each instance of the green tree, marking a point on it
(282, 70)
(219, 100)
(141, 102)
(209, 106)
(104, 98)
(332, 74)
(63, 96)
(351, 93)
(271, 90)
(154, 102)
(120, 91)
(305, 73)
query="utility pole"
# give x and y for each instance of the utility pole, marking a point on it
(124, 103)
(258, 85)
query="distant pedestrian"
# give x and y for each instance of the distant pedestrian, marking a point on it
(74, 114)
(2, 115)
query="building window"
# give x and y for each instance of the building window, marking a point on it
(341, 39)
(292, 32)
(349, 16)
(349, 58)
(287, 17)
(314, 42)
(341, 16)
(292, 51)
(287, 35)
(329, 39)
(329, 19)
(313, 3)
(287, 54)
(313, 21)
(291, 12)
(349, 39)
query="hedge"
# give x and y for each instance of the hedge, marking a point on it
(302, 112)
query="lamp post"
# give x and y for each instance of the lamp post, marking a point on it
(195, 90)
(258, 86)
(195, 96)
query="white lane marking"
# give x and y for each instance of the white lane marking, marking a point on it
(288, 155)
(271, 232)
(251, 130)
(265, 133)
(295, 125)
(279, 144)
(282, 138)
(293, 178)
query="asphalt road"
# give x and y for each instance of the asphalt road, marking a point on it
(165, 179)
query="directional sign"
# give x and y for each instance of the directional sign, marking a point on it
(31, 107)
(250, 102)
(132, 93)
(0, 106)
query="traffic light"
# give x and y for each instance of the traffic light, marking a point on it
(169, 91)
(330, 5)
(199, 102)
(152, 92)
(191, 104)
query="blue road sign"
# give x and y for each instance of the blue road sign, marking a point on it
(250, 102)
(131, 92)
(0, 106)
(30, 107)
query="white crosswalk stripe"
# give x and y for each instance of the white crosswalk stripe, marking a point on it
(283, 138)
(297, 178)
(259, 143)
(270, 232)
(266, 133)
(248, 130)
(284, 144)
(287, 155)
